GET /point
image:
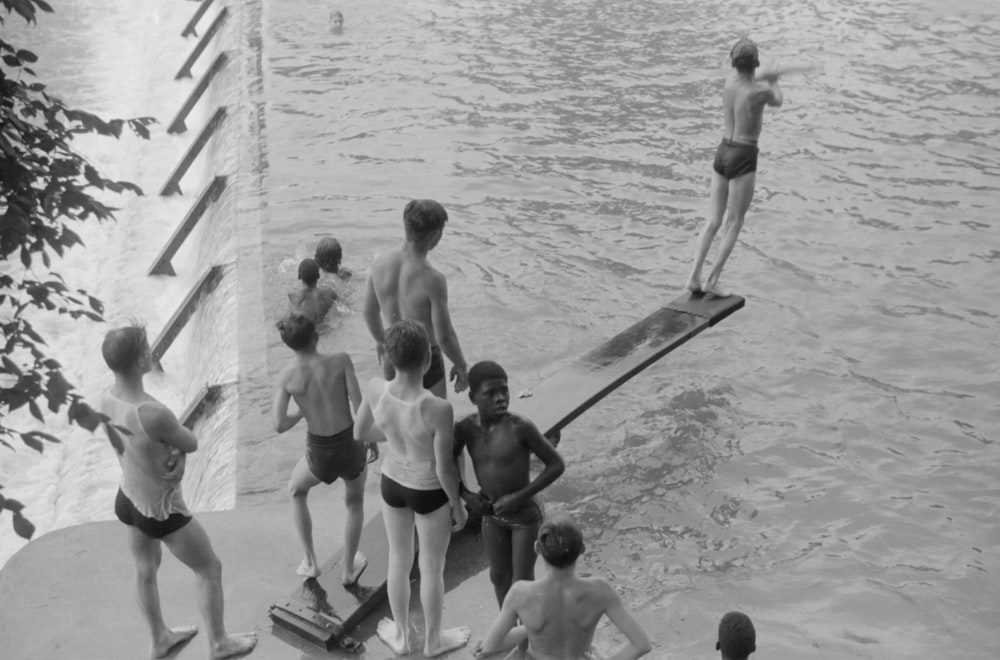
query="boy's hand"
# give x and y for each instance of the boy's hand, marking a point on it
(175, 466)
(373, 452)
(379, 351)
(506, 504)
(459, 516)
(479, 504)
(460, 376)
(554, 437)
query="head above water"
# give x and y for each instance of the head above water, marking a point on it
(126, 348)
(309, 272)
(423, 220)
(297, 331)
(407, 346)
(560, 541)
(744, 56)
(737, 637)
(329, 254)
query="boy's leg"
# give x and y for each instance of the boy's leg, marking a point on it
(434, 534)
(298, 488)
(717, 208)
(190, 544)
(740, 195)
(497, 541)
(147, 553)
(399, 530)
(354, 497)
(523, 552)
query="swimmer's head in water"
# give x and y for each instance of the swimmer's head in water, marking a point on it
(126, 348)
(309, 272)
(406, 345)
(560, 541)
(297, 331)
(737, 637)
(744, 56)
(329, 254)
(423, 220)
(337, 19)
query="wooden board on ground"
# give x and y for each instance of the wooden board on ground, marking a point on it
(324, 613)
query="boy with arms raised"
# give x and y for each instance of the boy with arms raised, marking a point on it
(152, 453)
(326, 391)
(419, 486)
(559, 612)
(500, 445)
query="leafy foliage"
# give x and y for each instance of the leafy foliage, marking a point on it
(44, 191)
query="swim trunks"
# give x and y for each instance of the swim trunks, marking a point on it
(332, 456)
(151, 527)
(529, 514)
(733, 159)
(423, 502)
(435, 372)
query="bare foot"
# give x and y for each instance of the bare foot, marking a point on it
(234, 645)
(360, 564)
(451, 639)
(173, 639)
(308, 568)
(393, 637)
(714, 290)
(694, 286)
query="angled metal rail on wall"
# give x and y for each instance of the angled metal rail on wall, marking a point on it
(161, 265)
(205, 284)
(189, 28)
(185, 70)
(178, 125)
(196, 408)
(173, 182)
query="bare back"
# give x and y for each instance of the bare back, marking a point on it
(743, 103)
(405, 286)
(312, 302)
(322, 386)
(561, 616)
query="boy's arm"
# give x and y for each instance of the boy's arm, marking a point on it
(478, 503)
(767, 94)
(282, 420)
(638, 643)
(443, 424)
(503, 634)
(351, 381)
(540, 447)
(364, 420)
(444, 331)
(163, 425)
(372, 312)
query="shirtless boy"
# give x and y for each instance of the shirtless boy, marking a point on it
(737, 637)
(560, 611)
(308, 299)
(326, 391)
(500, 445)
(735, 169)
(404, 286)
(419, 487)
(152, 455)
(329, 254)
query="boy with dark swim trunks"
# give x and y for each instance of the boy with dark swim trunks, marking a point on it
(500, 445)
(735, 168)
(559, 611)
(310, 300)
(419, 486)
(737, 637)
(151, 446)
(403, 285)
(326, 391)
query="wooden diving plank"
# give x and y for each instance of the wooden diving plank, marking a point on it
(189, 28)
(162, 264)
(205, 284)
(185, 70)
(177, 125)
(173, 184)
(196, 408)
(555, 402)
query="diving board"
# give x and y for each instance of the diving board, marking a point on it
(554, 403)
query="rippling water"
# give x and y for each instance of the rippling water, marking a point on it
(825, 460)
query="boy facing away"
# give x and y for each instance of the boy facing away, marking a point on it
(737, 637)
(326, 391)
(308, 299)
(559, 612)
(500, 445)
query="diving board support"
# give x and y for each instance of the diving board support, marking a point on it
(185, 70)
(205, 396)
(205, 285)
(189, 28)
(178, 125)
(172, 185)
(161, 265)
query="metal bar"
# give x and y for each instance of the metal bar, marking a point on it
(205, 284)
(161, 265)
(185, 70)
(189, 28)
(173, 182)
(178, 125)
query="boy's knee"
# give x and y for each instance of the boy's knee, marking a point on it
(354, 500)
(295, 490)
(501, 575)
(145, 571)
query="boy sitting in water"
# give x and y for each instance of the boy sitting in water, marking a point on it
(737, 637)
(310, 300)
(329, 254)
(500, 445)
(559, 612)
(326, 390)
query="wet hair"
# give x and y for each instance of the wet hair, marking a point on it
(423, 217)
(309, 271)
(329, 254)
(560, 541)
(744, 56)
(297, 331)
(406, 344)
(737, 637)
(483, 371)
(123, 347)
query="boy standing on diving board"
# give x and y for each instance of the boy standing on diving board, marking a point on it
(326, 390)
(500, 445)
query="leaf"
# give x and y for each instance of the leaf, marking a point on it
(27, 56)
(32, 442)
(9, 365)
(44, 6)
(25, 256)
(23, 526)
(56, 389)
(36, 412)
(13, 505)
(11, 60)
